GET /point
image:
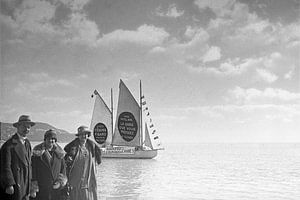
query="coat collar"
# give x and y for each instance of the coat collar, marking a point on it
(39, 150)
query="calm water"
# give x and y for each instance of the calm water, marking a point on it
(206, 171)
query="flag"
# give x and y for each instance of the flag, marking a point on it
(142, 97)
(96, 92)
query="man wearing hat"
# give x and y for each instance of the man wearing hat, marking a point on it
(48, 168)
(16, 162)
(82, 153)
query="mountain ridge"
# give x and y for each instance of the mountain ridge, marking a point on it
(36, 132)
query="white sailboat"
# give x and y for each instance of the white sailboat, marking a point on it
(131, 139)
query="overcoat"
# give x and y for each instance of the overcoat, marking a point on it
(46, 172)
(82, 180)
(16, 168)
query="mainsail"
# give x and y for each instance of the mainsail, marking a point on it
(127, 127)
(101, 124)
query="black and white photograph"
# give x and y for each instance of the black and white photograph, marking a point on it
(150, 99)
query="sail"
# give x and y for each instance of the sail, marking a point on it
(101, 123)
(147, 142)
(152, 139)
(127, 127)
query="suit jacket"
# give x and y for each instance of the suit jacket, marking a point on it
(46, 172)
(16, 168)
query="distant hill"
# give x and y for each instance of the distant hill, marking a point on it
(36, 132)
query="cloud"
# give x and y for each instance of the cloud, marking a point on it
(80, 30)
(172, 12)
(75, 5)
(37, 83)
(219, 7)
(266, 96)
(266, 75)
(146, 35)
(213, 54)
(32, 16)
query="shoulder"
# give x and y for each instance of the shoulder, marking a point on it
(74, 142)
(38, 150)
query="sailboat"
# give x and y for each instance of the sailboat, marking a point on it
(134, 134)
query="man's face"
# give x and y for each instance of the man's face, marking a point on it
(23, 129)
(82, 138)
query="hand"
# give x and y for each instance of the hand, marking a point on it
(9, 190)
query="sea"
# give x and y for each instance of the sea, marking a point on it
(205, 172)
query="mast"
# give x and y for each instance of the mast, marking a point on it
(141, 118)
(112, 111)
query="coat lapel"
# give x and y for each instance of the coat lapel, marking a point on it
(20, 150)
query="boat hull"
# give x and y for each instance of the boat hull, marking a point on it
(128, 153)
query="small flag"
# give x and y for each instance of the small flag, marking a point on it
(153, 131)
(96, 92)
(142, 97)
(156, 137)
(151, 125)
(148, 114)
(144, 103)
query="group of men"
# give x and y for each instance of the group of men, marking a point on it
(48, 172)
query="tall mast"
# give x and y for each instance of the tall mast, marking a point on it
(112, 111)
(141, 113)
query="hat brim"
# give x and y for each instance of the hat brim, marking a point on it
(84, 133)
(18, 123)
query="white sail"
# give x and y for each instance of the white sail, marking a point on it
(127, 127)
(101, 123)
(147, 141)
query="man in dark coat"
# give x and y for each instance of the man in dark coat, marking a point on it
(48, 168)
(16, 163)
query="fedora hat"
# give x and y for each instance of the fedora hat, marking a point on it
(83, 130)
(24, 119)
(50, 134)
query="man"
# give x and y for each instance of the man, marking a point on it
(48, 168)
(80, 157)
(16, 162)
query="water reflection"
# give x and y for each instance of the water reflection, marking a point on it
(124, 178)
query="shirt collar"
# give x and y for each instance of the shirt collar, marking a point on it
(21, 138)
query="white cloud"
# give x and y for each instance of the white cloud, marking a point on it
(38, 82)
(219, 7)
(266, 75)
(213, 54)
(75, 5)
(172, 12)
(33, 16)
(158, 50)
(148, 35)
(266, 96)
(80, 30)
(289, 74)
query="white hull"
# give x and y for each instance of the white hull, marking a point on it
(128, 153)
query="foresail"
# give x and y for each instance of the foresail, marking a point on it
(150, 129)
(127, 127)
(101, 121)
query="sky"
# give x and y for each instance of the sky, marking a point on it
(212, 71)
